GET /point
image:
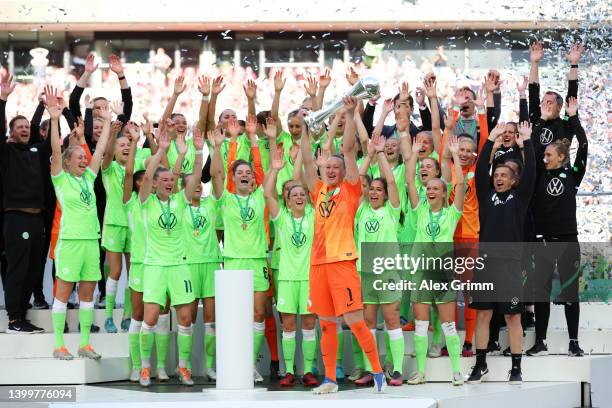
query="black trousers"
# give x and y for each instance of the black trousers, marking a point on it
(23, 239)
(38, 286)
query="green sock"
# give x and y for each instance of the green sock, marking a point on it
(454, 351)
(388, 355)
(357, 353)
(288, 344)
(59, 321)
(437, 327)
(86, 316)
(210, 345)
(127, 303)
(420, 348)
(111, 296)
(134, 349)
(396, 350)
(161, 348)
(309, 351)
(146, 338)
(185, 341)
(258, 339)
(340, 355)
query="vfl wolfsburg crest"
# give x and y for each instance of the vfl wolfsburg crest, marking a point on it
(85, 197)
(298, 239)
(170, 224)
(199, 221)
(326, 210)
(247, 213)
(372, 226)
(433, 229)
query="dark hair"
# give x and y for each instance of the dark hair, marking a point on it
(562, 147)
(293, 114)
(470, 90)
(505, 166)
(436, 165)
(241, 123)
(519, 165)
(558, 98)
(383, 181)
(469, 138)
(367, 178)
(99, 98)
(410, 100)
(139, 175)
(15, 119)
(44, 124)
(160, 169)
(513, 124)
(238, 163)
(295, 186)
(262, 116)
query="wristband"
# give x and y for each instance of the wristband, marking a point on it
(574, 66)
(122, 77)
(199, 151)
(205, 98)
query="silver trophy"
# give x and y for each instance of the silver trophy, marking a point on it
(365, 88)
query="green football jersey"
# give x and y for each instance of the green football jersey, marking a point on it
(112, 178)
(243, 220)
(399, 173)
(188, 160)
(295, 239)
(275, 255)
(417, 179)
(376, 225)
(163, 222)
(199, 233)
(77, 201)
(435, 227)
(137, 229)
(141, 157)
(243, 150)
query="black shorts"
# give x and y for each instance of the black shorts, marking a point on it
(505, 308)
(507, 278)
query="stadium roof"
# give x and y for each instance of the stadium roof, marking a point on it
(295, 15)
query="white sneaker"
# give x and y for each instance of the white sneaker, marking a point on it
(326, 388)
(135, 376)
(162, 375)
(416, 379)
(256, 376)
(435, 351)
(211, 373)
(458, 379)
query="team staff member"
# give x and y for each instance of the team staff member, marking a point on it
(245, 240)
(376, 221)
(335, 289)
(165, 271)
(555, 222)
(203, 259)
(435, 224)
(502, 218)
(294, 233)
(76, 253)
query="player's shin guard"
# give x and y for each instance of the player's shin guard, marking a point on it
(397, 348)
(162, 339)
(127, 302)
(258, 338)
(289, 350)
(340, 333)
(357, 353)
(271, 337)
(469, 317)
(329, 347)
(388, 354)
(437, 328)
(309, 348)
(146, 344)
(185, 341)
(133, 337)
(421, 341)
(111, 295)
(58, 317)
(453, 345)
(368, 344)
(368, 366)
(210, 344)
(86, 316)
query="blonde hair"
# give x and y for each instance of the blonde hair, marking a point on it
(67, 154)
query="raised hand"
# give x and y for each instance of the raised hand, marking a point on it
(571, 107)
(251, 126)
(204, 85)
(54, 111)
(217, 136)
(404, 92)
(279, 81)
(79, 130)
(170, 128)
(116, 127)
(217, 85)
(402, 123)
(270, 128)
(417, 146)
(575, 53)
(88, 102)
(179, 85)
(105, 114)
(499, 140)
(310, 86)
(491, 82)
(147, 127)
(449, 119)
(293, 152)
(378, 143)
(277, 161)
(181, 146)
(250, 89)
(50, 97)
(322, 156)
(132, 132)
(114, 63)
(481, 97)
(497, 130)
(163, 140)
(233, 128)
(90, 65)
(420, 96)
(453, 145)
(352, 76)
(350, 102)
(524, 129)
(6, 86)
(536, 52)
(117, 107)
(430, 88)
(388, 106)
(325, 78)
(521, 87)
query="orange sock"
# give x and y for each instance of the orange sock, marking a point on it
(367, 343)
(329, 347)
(271, 337)
(469, 317)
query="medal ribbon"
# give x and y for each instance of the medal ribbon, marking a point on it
(84, 188)
(166, 212)
(434, 222)
(244, 210)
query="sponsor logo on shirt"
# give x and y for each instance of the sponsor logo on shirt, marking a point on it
(546, 136)
(200, 221)
(298, 239)
(372, 226)
(555, 187)
(432, 229)
(161, 221)
(498, 201)
(325, 211)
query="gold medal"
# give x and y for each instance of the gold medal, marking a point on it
(196, 233)
(168, 231)
(244, 226)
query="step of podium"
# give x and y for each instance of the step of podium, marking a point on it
(41, 345)
(42, 319)
(594, 315)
